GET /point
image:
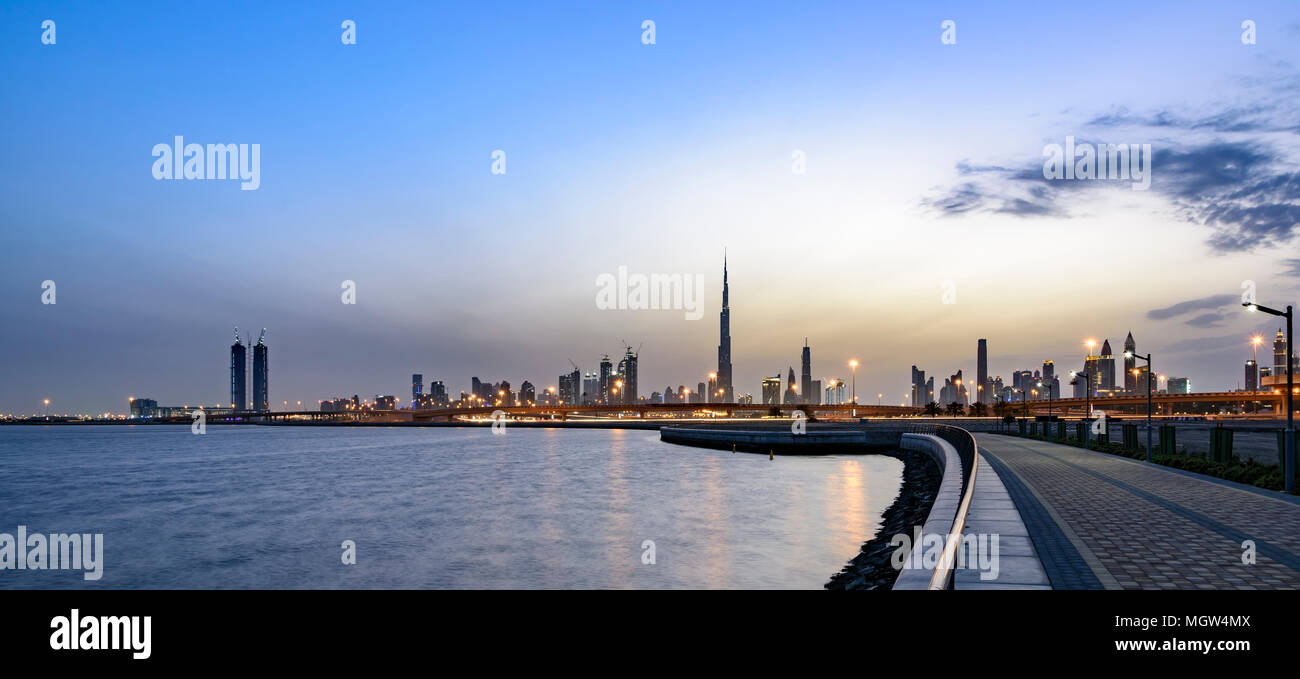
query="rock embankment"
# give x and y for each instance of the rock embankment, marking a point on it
(871, 568)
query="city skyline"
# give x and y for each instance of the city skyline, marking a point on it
(663, 155)
(621, 385)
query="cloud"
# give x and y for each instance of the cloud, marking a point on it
(1238, 184)
(970, 197)
(1293, 267)
(1212, 320)
(1203, 345)
(1236, 119)
(1211, 302)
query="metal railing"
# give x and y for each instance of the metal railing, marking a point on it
(968, 454)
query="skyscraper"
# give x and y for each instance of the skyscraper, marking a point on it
(953, 391)
(810, 395)
(982, 371)
(1101, 369)
(919, 395)
(1130, 364)
(724, 345)
(627, 373)
(571, 387)
(1252, 376)
(238, 374)
(1279, 354)
(606, 379)
(417, 388)
(791, 394)
(772, 390)
(261, 396)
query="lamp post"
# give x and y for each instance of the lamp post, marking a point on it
(1049, 404)
(1147, 358)
(1289, 435)
(1087, 401)
(854, 395)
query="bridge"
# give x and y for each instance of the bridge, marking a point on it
(1162, 404)
(610, 411)
(1243, 403)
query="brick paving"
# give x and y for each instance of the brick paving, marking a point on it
(1100, 520)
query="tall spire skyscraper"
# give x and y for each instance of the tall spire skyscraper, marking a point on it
(724, 346)
(982, 391)
(1130, 365)
(805, 375)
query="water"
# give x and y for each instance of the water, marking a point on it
(269, 507)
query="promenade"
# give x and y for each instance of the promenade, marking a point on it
(1099, 521)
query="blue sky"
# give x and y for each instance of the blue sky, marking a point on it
(375, 167)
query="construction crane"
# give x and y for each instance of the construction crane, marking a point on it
(629, 346)
(261, 339)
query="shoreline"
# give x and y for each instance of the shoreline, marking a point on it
(870, 568)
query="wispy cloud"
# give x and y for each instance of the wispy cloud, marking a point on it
(1211, 302)
(1238, 184)
(1211, 320)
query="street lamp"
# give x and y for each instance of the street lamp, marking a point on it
(1147, 358)
(854, 397)
(1289, 436)
(47, 408)
(1049, 407)
(1087, 401)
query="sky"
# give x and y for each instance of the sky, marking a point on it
(921, 184)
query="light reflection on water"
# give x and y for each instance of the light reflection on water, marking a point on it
(267, 507)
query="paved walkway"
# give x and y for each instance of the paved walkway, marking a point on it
(992, 512)
(1104, 521)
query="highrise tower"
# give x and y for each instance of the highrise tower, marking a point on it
(982, 372)
(627, 374)
(238, 374)
(1130, 365)
(809, 394)
(1279, 355)
(724, 345)
(261, 399)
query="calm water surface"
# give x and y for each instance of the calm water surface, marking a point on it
(268, 507)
